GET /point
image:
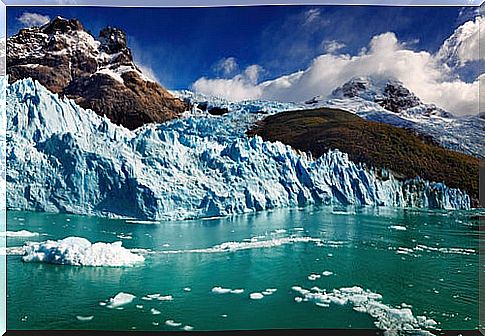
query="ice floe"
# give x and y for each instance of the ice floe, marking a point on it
(84, 318)
(78, 251)
(392, 320)
(256, 296)
(19, 234)
(120, 299)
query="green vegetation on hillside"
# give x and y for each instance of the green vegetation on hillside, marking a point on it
(376, 144)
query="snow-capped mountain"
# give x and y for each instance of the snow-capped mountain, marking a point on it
(388, 101)
(97, 73)
(63, 158)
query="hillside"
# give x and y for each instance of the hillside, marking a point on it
(379, 145)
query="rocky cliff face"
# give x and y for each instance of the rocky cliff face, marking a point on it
(97, 73)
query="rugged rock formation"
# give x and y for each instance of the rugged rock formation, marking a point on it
(98, 74)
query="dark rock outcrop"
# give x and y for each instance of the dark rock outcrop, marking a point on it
(98, 74)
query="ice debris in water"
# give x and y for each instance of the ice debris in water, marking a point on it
(18, 234)
(78, 251)
(154, 311)
(172, 323)
(256, 296)
(84, 318)
(365, 301)
(327, 273)
(193, 167)
(221, 290)
(120, 299)
(398, 227)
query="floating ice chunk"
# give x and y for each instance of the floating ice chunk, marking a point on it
(188, 328)
(120, 299)
(172, 323)
(323, 305)
(237, 291)
(398, 227)
(278, 231)
(146, 298)
(139, 306)
(154, 311)
(165, 298)
(19, 234)
(78, 251)
(102, 304)
(256, 296)
(298, 299)
(313, 277)
(155, 323)
(220, 290)
(187, 289)
(84, 318)
(327, 273)
(153, 296)
(271, 290)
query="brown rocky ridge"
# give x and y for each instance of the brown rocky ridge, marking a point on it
(97, 73)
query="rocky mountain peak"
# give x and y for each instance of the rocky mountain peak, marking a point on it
(61, 25)
(97, 73)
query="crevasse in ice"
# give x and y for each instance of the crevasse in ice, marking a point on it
(62, 158)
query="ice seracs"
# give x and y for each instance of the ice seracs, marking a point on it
(63, 158)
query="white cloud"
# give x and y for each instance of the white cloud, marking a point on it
(332, 46)
(148, 72)
(241, 86)
(227, 66)
(384, 57)
(33, 19)
(463, 46)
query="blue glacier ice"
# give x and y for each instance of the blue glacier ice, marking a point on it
(62, 158)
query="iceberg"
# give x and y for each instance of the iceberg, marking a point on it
(77, 251)
(63, 158)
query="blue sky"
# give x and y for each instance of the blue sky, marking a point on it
(183, 44)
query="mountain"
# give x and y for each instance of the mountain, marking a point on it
(97, 73)
(389, 101)
(375, 144)
(63, 158)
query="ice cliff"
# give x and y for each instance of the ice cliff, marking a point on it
(62, 158)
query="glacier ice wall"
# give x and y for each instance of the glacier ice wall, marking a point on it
(62, 158)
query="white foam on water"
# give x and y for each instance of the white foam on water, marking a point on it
(392, 320)
(172, 323)
(120, 299)
(85, 318)
(77, 251)
(18, 234)
(256, 296)
(398, 227)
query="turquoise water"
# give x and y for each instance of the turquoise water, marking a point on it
(361, 247)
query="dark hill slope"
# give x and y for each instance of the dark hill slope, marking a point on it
(376, 144)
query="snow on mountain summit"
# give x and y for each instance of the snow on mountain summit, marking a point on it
(97, 73)
(389, 101)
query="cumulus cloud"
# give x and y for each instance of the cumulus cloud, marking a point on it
(240, 87)
(227, 66)
(33, 19)
(332, 46)
(385, 57)
(463, 46)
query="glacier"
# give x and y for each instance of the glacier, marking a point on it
(62, 158)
